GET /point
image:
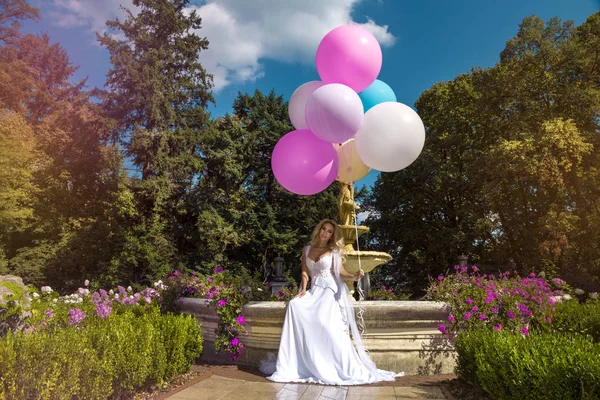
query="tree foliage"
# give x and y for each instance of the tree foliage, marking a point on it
(509, 172)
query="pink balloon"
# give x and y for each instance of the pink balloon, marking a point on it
(334, 113)
(350, 55)
(304, 164)
(297, 104)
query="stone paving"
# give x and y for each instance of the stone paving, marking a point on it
(231, 382)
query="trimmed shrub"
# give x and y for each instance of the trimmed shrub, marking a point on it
(574, 317)
(509, 365)
(105, 359)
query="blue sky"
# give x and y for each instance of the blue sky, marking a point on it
(270, 44)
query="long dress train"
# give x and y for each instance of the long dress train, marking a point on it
(315, 342)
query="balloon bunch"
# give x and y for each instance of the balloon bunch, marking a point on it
(347, 123)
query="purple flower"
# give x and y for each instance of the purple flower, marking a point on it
(442, 329)
(511, 315)
(49, 313)
(525, 331)
(498, 327)
(440, 277)
(103, 310)
(470, 301)
(219, 269)
(209, 279)
(482, 317)
(558, 282)
(222, 303)
(240, 320)
(451, 318)
(467, 316)
(76, 316)
(475, 308)
(234, 342)
(474, 267)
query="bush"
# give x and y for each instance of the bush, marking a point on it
(227, 292)
(504, 302)
(106, 359)
(385, 293)
(510, 365)
(574, 317)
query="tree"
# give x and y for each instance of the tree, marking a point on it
(245, 218)
(11, 13)
(158, 92)
(508, 173)
(62, 173)
(431, 212)
(18, 159)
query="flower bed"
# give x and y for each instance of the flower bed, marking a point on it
(226, 293)
(505, 301)
(100, 345)
(522, 337)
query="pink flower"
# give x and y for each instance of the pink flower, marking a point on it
(482, 317)
(440, 277)
(451, 318)
(442, 329)
(511, 315)
(467, 316)
(240, 320)
(219, 269)
(498, 327)
(525, 331)
(103, 310)
(76, 315)
(234, 342)
(222, 303)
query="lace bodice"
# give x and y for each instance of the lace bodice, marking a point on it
(321, 268)
(320, 271)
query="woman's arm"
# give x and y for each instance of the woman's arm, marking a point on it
(304, 275)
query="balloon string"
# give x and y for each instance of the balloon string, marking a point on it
(361, 296)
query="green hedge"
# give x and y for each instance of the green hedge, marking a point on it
(107, 359)
(542, 366)
(574, 317)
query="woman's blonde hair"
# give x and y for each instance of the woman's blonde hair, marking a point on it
(336, 241)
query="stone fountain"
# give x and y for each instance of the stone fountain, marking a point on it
(400, 335)
(367, 260)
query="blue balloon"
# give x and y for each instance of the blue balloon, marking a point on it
(378, 92)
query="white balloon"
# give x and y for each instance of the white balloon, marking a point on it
(351, 168)
(297, 104)
(391, 138)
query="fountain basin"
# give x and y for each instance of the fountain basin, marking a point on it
(400, 335)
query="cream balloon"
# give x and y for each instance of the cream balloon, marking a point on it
(351, 167)
(391, 138)
(297, 104)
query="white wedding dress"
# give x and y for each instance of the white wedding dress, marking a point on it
(315, 342)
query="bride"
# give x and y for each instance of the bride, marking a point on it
(315, 343)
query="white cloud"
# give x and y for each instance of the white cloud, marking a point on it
(241, 33)
(89, 13)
